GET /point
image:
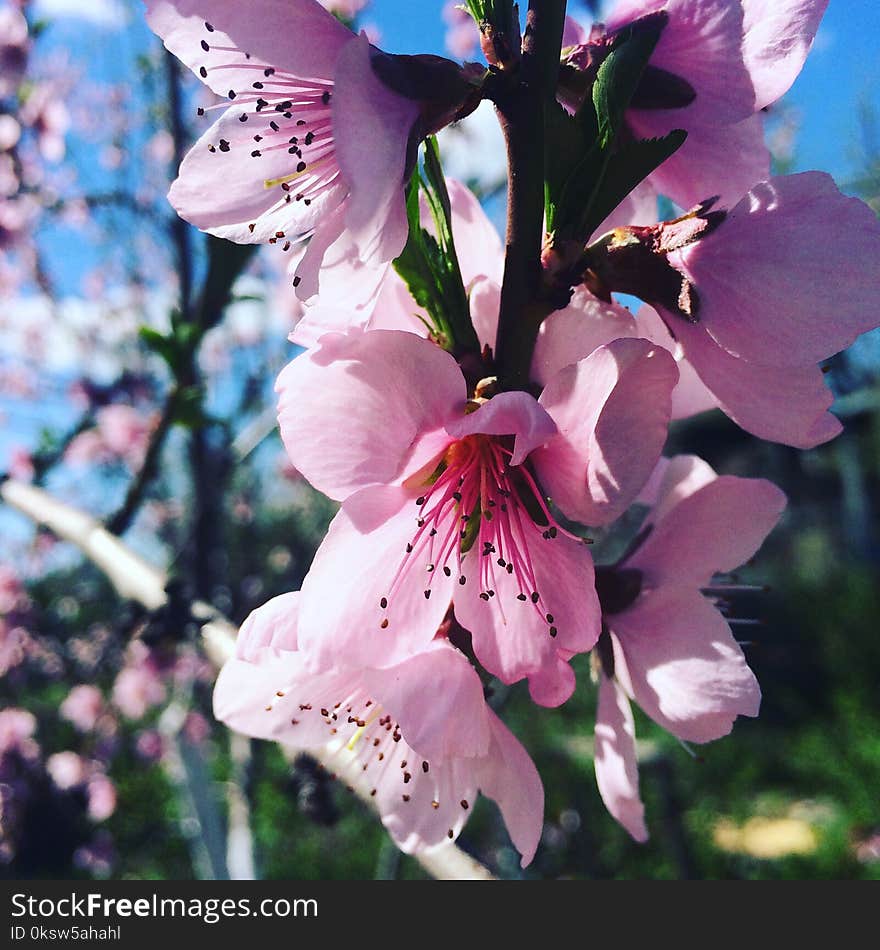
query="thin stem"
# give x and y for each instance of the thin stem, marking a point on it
(520, 110)
(120, 522)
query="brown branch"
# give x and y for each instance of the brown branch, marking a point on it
(520, 107)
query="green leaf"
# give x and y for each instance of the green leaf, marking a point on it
(164, 346)
(429, 265)
(565, 146)
(587, 173)
(620, 74)
(630, 166)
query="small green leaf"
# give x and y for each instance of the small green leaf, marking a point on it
(163, 346)
(630, 166)
(620, 74)
(587, 172)
(428, 264)
(565, 146)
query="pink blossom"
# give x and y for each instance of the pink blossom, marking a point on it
(441, 497)
(314, 144)
(67, 770)
(46, 114)
(102, 797)
(21, 464)
(121, 433)
(17, 727)
(137, 689)
(83, 707)
(17, 214)
(10, 132)
(462, 35)
(14, 643)
(14, 47)
(735, 58)
(150, 744)
(12, 593)
(667, 647)
(196, 728)
(790, 277)
(424, 754)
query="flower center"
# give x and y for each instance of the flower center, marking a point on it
(359, 725)
(478, 520)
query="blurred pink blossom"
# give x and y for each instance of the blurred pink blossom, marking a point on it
(10, 132)
(196, 728)
(14, 643)
(46, 114)
(462, 36)
(17, 727)
(150, 744)
(14, 46)
(138, 689)
(121, 433)
(83, 707)
(67, 770)
(102, 797)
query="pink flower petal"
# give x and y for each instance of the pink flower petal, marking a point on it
(691, 395)
(477, 244)
(423, 752)
(639, 207)
(509, 776)
(712, 530)
(782, 404)
(676, 657)
(568, 336)
(298, 35)
(673, 480)
(573, 34)
(702, 44)
(612, 410)
(452, 718)
(224, 191)
(419, 808)
(261, 697)
(354, 571)
(270, 627)
(513, 413)
(372, 126)
(778, 36)
(484, 296)
(513, 631)
(617, 774)
(365, 408)
(792, 275)
(331, 267)
(723, 161)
